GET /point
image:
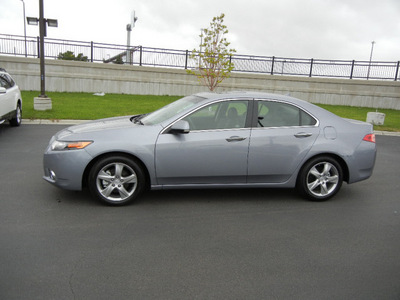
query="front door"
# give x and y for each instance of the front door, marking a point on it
(213, 152)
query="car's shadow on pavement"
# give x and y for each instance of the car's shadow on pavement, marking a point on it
(266, 196)
(187, 196)
(5, 127)
(219, 195)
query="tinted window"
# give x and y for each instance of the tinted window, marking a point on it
(306, 119)
(278, 114)
(6, 81)
(3, 82)
(221, 115)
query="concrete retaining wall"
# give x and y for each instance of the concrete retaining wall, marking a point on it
(70, 76)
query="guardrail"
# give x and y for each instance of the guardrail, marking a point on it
(157, 57)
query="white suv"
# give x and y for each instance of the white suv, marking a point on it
(10, 100)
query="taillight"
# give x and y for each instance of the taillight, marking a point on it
(369, 138)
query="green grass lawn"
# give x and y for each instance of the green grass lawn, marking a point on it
(86, 106)
(392, 117)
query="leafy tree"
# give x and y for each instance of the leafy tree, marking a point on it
(69, 55)
(213, 60)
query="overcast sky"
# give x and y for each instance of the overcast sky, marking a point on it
(325, 29)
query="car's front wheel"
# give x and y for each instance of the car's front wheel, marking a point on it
(116, 180)
(320, 178)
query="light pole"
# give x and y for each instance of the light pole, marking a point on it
(42, 34)
(23, 6)
(370, 57)
(42, 102)
(129, 28)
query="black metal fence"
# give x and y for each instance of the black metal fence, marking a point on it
(157, 57)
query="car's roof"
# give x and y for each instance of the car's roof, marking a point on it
(249, 94)
(244, 94)
(253, 95)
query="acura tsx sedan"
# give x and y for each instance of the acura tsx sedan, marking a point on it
(209, 140)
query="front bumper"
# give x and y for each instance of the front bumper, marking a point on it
(65, 169)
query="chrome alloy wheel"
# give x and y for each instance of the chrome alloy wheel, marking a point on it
(322, 179)
(116, 181)
(18, 115)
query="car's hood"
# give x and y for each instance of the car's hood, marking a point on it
(99, 125)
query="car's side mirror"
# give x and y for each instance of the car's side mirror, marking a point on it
(180, 127)
(3, 90)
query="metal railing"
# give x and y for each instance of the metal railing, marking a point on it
(157, 57)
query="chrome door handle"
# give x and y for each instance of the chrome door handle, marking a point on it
(302, 134)
(235, 139)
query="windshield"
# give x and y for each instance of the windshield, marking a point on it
(170, 110)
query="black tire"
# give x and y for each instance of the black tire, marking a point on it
(16, 120)
(116, 180)
(320, 178)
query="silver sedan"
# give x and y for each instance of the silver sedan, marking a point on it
(213, 140)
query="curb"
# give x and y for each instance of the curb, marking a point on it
(388, 133)
(74, 122)
(52, 122)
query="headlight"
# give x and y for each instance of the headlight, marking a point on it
(60, 145)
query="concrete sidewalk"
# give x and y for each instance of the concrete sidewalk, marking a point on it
(74, 122)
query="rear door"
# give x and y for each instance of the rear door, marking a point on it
(280, 140)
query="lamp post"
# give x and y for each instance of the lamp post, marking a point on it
(370, 57)
(23, 6)
(129, 28)
(42, 34)
(42, 102)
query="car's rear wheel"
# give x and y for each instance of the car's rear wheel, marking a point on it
(116, 180)
(320, 178)
(16, 120)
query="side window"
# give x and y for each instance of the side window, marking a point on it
(278, 114)
(307, 120)
(3, 82)
(6, 81)
(203, 118)
(11, 81)
(221, 115)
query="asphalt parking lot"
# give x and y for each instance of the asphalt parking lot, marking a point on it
(221, 244)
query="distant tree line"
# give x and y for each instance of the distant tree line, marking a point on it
(69, 55)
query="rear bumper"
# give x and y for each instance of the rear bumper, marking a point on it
(362, 165)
